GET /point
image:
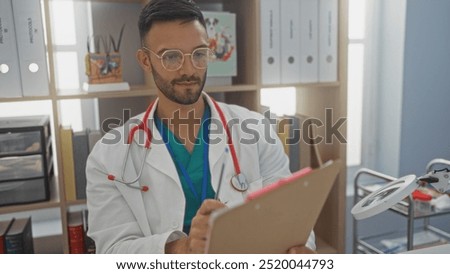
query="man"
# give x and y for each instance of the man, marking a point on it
(179, 174)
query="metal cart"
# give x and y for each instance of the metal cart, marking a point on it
(404, 208)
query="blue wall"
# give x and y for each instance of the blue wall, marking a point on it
(425, 127)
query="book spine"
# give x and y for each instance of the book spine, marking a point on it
(14, 244)
(80, 155)
(68, 163)
(76, 239)
(2, 245)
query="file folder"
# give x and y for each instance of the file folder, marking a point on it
(31, 46)
(309, 48)
(270, 42)
(328, 27)
(290, 41)
(10, 84)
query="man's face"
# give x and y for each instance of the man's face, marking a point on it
(185, 85)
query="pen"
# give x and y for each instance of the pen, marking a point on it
(221, 176)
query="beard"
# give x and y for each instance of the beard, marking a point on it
(185, 96)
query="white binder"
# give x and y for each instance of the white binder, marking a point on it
(31, 45)
(290, 41)
(309, 47)
(10, 85)
(328, 27)
(270, 42)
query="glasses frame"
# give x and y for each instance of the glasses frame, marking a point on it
(160, 57)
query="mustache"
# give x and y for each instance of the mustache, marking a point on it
(186, 78)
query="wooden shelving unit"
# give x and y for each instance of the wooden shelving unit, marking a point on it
(244, 90)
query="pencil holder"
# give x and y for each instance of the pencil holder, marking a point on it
(103, 68)
(103, 64)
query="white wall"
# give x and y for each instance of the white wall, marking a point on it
(391, 40)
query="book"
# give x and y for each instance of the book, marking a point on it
(221, 29)
(68, 162)
(294, 142)
(19, 238)
(75, 231)
(93, 137)
(297, 134)
(283, 132)
(80, 155)
(4, 227)
(309, 148)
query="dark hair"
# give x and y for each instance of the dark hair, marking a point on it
(168, 10)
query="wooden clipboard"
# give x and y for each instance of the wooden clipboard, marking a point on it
(275, 221)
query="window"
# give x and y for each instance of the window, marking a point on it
(281, 101)
(356, 48)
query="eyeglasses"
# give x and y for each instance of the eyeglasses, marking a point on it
(173, 59)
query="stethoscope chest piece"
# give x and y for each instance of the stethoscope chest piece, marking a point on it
(239, 182)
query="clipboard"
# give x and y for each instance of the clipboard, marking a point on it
(276, 220)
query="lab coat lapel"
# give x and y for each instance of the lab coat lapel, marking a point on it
(218, 143)
(134, 197)
(160, 159)
(158, 156)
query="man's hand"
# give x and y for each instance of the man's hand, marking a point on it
(300, 250)
(196, 241)
(200, 226)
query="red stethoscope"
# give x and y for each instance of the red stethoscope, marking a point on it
(238, 181)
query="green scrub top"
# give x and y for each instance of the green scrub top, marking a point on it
(192, 163)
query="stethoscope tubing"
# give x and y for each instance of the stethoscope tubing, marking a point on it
(144, 127)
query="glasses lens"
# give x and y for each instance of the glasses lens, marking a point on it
(172, 59)
(200, 57)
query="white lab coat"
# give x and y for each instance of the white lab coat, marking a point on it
(125, 220)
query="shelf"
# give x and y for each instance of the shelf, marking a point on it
(77, 202)
(25, 99)
(48, 245)
(305, 85)
(135, 91)
(28, 207)
(233, 88)
(403, 206)
(112, 1)
(427, 238)
(138, 91)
